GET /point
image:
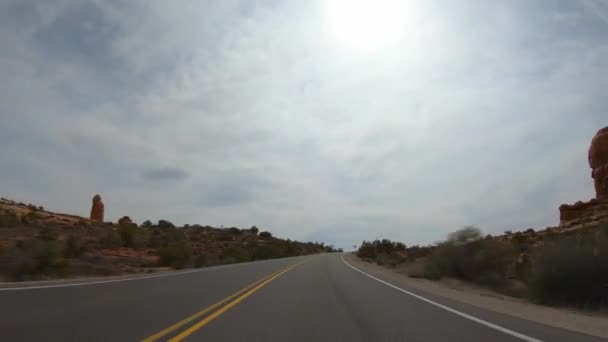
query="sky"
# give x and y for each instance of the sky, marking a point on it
(329, 121)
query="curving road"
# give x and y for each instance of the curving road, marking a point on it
(315, 298)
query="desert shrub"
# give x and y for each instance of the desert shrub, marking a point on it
(165, 224)
(237, 254)
(265, 235)
(254, 230)
(47, 234)
(165, 237)
(155, 239)
(146, 224)
(195, 236)
(521, 241)
(383, 252)
(176, 255)
(127, 234)
(367, 251)
(204, 260)
(573, 271)
(111, 240)
(234, 231)
(35, 259)
(465, 235)
(72, 247)
(269, 251)
(486, 262)
(523, 267)
(415, 252)
(199, 261)
(224, 237)
(291, 249)
(30, 217)
(9, 220)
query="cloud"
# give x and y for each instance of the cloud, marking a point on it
(165, 173)
(251, 113)
(598, 7)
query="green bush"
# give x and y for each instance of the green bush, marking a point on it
(35, 259)
(573, 271)
(486, 262)
(177, 255)
(111, 240)
(383, 252)
(265, 235)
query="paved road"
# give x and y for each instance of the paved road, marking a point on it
(320, 299)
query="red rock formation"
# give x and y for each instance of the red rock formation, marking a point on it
(97, 209)
(597, 208)
(598, 160)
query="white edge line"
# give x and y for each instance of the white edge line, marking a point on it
(447, 308)
(168, 274)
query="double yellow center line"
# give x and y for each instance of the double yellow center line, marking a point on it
(221, 306)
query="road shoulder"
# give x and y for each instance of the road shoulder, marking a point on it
(591, 324)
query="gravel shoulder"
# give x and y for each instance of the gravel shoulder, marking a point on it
(591, 323)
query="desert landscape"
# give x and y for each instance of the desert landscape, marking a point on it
(36, 244)
(566, 265)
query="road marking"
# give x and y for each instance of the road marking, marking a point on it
(201, 313)
(168, 274)
(447, 308)
(180, 337)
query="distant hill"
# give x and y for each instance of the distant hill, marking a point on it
(39, 244)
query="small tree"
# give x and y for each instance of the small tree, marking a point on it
(165, 224)
(254, 230)
(465, 235)
(265, 235)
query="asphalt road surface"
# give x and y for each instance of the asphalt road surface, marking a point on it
(315, 298)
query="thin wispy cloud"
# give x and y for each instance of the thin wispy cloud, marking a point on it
(242, 113)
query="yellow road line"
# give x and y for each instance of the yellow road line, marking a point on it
(180, 337)
(191, 318)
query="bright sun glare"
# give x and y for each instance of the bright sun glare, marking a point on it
(368, 24)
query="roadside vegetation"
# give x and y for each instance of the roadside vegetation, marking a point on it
(549, 267)
(34, 245)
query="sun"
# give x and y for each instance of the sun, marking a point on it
(367, 24)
